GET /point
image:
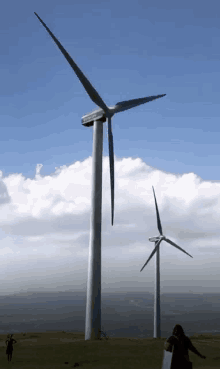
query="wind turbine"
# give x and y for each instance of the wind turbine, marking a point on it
(158, 240)
(96, 119)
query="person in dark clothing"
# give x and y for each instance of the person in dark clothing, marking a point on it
(179, 344)
(9, 343)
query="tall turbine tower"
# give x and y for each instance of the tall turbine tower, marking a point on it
(158, 240)
(96, 119)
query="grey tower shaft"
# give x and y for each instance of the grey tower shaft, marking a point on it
(157, 296)
(93, 305)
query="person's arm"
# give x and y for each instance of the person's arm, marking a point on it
(194, 350)
(168, 345)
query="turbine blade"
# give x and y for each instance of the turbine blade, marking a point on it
(111, 165)
(152, 254)
(93, 94)
(172, 243)
(158, 216)
(125, 105)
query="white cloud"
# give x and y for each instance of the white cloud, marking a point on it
(46, 221)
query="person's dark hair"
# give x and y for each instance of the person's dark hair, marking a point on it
(178, 330)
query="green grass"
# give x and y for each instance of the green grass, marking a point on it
(52, 349)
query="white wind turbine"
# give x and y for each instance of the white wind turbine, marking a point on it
(158, 240)
(96, 119)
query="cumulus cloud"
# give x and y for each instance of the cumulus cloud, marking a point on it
(46, 220)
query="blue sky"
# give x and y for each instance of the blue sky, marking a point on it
(127, 50)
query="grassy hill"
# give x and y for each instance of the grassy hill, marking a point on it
(66, 350)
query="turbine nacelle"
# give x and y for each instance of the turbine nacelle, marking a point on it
(88, 119)
(99, 114)
(157, 238)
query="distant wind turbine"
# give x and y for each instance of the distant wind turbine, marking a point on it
(96, 119)
(158, 240)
